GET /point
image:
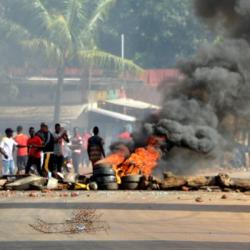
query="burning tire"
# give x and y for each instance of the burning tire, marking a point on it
(108, 186)
(103, 171)
(102, 165)
(105, 179)
(130, 185)
(131, 178)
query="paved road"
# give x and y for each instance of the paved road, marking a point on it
(136, 220)
(125, 245)
(128, 206)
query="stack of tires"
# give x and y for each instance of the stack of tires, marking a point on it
(104, 176)
(131, 182)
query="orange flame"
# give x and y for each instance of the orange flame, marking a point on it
(142, 161)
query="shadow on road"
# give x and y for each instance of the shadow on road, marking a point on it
(127, 206)
(125, 245)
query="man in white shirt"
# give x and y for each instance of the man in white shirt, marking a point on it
(7, 147)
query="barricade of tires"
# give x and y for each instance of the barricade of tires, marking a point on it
(130, 182)
(105, 178)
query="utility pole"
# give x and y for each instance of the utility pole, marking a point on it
(123, 73)
(122, 46)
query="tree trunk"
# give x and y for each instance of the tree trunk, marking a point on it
(58, 97)
(174, 182)
(199, 181)
(241, 183)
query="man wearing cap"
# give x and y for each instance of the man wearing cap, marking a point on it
(22, 152)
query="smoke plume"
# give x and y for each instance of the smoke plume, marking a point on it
(199, 114)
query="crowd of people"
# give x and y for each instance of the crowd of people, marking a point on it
(45, 152)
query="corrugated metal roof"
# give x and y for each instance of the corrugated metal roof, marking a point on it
(133, 103)
(112, 114)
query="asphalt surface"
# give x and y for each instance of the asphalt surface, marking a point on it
(125, 245)
(129, 206)
(137, 220)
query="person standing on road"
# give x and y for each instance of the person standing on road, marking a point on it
(35, 146)
(48, 148)
(76, 147)
(7, 146)
(22, 152)
(95, 147)
(60, 137)
(3, 153)
(85, 138)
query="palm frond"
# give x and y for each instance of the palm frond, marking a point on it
(103, 59)
(74, 12)
(44, 49)
(59, 33)
(12, 32)
(31, 14)
(100, 12)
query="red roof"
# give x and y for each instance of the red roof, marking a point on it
(154, 77)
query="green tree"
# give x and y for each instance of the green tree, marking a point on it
(58, 33)
(158, 33)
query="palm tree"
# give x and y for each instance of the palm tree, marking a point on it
(61, 36)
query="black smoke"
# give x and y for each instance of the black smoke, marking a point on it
(214, 87)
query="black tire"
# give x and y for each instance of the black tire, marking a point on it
(130, 185)
(108, 186)
(103, 171)
(131, 178)
(103, 165)
(105, 179)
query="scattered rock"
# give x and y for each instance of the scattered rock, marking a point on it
(33, 194)
(224, 197)
(74, 194)
(199, 199)
(93, 186)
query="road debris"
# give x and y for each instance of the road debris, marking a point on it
(199, 199)
(107, 181)
(82, 220)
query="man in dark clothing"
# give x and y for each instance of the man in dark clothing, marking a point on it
(48, 148)
(35, 145)
(95, 147)
(60, 136)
